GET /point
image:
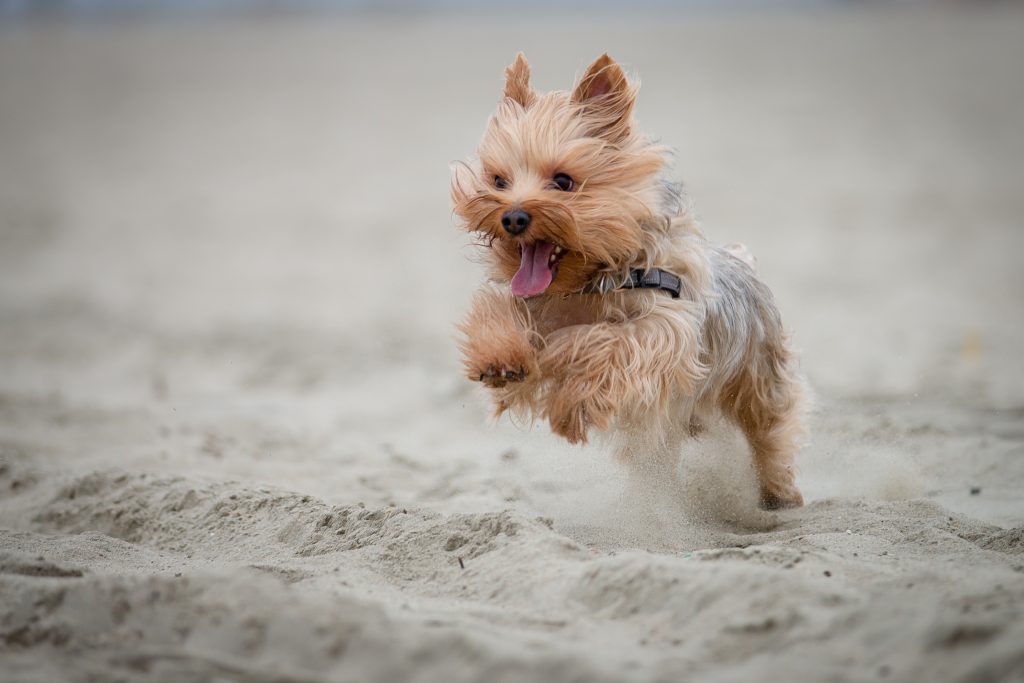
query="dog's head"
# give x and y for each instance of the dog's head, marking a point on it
(563, 183)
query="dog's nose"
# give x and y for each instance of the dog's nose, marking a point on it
(515, 221)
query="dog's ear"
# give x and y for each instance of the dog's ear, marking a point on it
(607, 98)
(517, 82)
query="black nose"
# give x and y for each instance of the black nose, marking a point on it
(515, 221)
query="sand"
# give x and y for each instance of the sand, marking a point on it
(234, 443)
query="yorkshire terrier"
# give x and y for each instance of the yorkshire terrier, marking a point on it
(607, 309)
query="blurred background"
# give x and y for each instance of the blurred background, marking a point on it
(225, 227)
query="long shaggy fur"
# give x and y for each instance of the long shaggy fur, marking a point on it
(638, 365)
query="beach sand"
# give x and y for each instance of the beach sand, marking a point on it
(234, 439)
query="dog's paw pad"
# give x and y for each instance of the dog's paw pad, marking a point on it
(499, 376)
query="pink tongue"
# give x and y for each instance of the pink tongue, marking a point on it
(534, 274)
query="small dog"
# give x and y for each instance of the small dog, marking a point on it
(607, 308)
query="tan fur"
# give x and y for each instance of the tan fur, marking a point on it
(638, 365)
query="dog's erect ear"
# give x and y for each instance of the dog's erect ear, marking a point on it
(517, 82)
(607, 98)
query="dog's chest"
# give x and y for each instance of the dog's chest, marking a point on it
(550, 314)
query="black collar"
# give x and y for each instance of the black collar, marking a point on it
(655, 278)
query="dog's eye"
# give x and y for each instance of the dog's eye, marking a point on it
(500, 182)
(564, 182)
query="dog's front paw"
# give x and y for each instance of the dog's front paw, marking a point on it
(496, 376)
(572, 419)
(499, 357)
(571, 424)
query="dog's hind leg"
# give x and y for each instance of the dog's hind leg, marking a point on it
(767, 401)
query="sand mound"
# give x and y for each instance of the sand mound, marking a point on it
(167, 578)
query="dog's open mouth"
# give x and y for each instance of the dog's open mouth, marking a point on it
(537, 269)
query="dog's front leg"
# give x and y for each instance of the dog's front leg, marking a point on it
(497, 350)
(601, 371)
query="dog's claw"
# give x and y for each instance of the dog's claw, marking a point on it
(499, 376)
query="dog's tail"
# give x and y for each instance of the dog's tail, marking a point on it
(741, 252)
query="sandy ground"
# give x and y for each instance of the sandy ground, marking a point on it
(234, 444)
